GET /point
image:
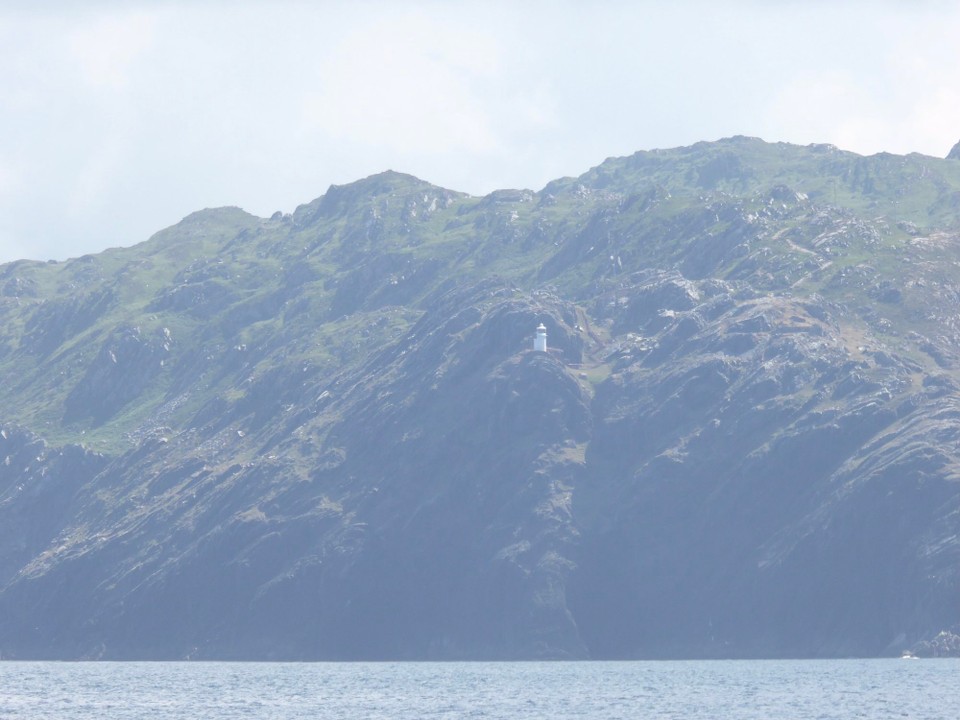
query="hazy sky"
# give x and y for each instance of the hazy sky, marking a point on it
(119, 118)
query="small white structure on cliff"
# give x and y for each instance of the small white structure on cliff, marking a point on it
(540, 341)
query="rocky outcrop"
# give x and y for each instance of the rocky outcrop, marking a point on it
(121, 371)
(37, 484)
(55, 322)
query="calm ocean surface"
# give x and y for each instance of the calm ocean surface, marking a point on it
(689, 689)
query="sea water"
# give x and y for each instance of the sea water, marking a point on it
(711, 690)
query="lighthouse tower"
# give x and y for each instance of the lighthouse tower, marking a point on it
(540, 341)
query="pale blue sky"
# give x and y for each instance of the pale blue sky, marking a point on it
(119, 118)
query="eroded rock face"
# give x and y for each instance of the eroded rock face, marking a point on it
(736, 477)
(731, 471)
(122, 370)
(435, 488)
(37, 483)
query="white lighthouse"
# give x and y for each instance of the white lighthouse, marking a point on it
(540, 341)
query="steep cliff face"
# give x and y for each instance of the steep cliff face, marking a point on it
(418, 506)
(754, 485)
(327, 435)
(37, 484)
